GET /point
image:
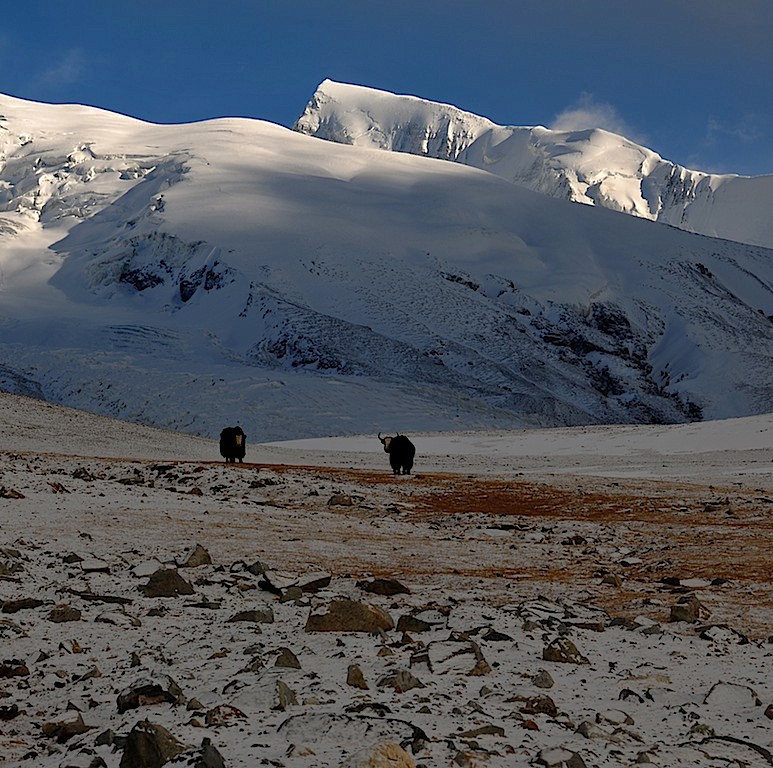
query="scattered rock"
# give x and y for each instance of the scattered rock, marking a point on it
(558, 757)
(13, 668)
(340, 500)
(313, 582)
(95, 565)
(592, 731)
(457, 654)
(562, 649)
(721, 633)
(277, 582)
(690, 609)
(150, 745)
(387, 587)
(206, 756)
(484, 730)
(355, 678)
(224, 714)
(291, 594)
(287, 659)
(65, 729)
(536, 705)
(9, 712)
(408, 623)
(256, 616)
(118, 619)
(344, 615)
(166, 582)
(196, 557)
(285, 697)
(148, 692)
(543, 679)
(384, 754)
(63, 613)
(401, 681)
(13, 606)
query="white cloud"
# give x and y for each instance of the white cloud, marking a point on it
(67, 70)
(746, 130)
(586, 113)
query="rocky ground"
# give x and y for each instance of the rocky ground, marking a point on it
(192, 613)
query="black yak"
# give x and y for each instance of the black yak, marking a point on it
(233, 444)
(401, 452)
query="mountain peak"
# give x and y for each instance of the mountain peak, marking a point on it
(591, 166)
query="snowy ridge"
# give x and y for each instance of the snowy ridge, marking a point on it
(594, 167)
(188, 276)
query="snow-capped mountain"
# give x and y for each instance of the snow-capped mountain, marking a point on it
(594, 167)
(195, 276)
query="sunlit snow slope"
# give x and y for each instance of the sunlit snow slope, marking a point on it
(594, 167)
(195, 276)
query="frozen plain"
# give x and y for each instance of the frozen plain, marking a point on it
(507, 543)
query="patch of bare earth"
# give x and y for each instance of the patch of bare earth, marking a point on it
(661, 539)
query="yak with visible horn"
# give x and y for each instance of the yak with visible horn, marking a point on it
(401, 452)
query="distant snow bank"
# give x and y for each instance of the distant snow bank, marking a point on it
(29, 425)
(721, 452)
(714, 452)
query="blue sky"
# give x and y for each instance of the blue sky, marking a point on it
(691, 79)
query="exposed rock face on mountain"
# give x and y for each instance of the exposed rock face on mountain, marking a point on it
(187, 276)
(588, 166)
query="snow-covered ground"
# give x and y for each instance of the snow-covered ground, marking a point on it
(510, 544)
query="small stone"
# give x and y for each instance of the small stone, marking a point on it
(206, 756)
(196, 557)
(340, 500)
(313, 582)
(64, 730)
(355, 678)
(147, 693)
(9, 712)
(285, 696)
(401, 681)
(13, 668)
(344, 615)
(386, 587)
(12, 606)
(562, 649)
(224, 714)
(256, 616)
(150, 745)
(484, 730)
(385, 754)
(409, 623)
(287, 659)
(690, 609)
(536, 705)
(291, 594)
(63, 613)
(95, 565)
(543, 679)
(166, 582)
